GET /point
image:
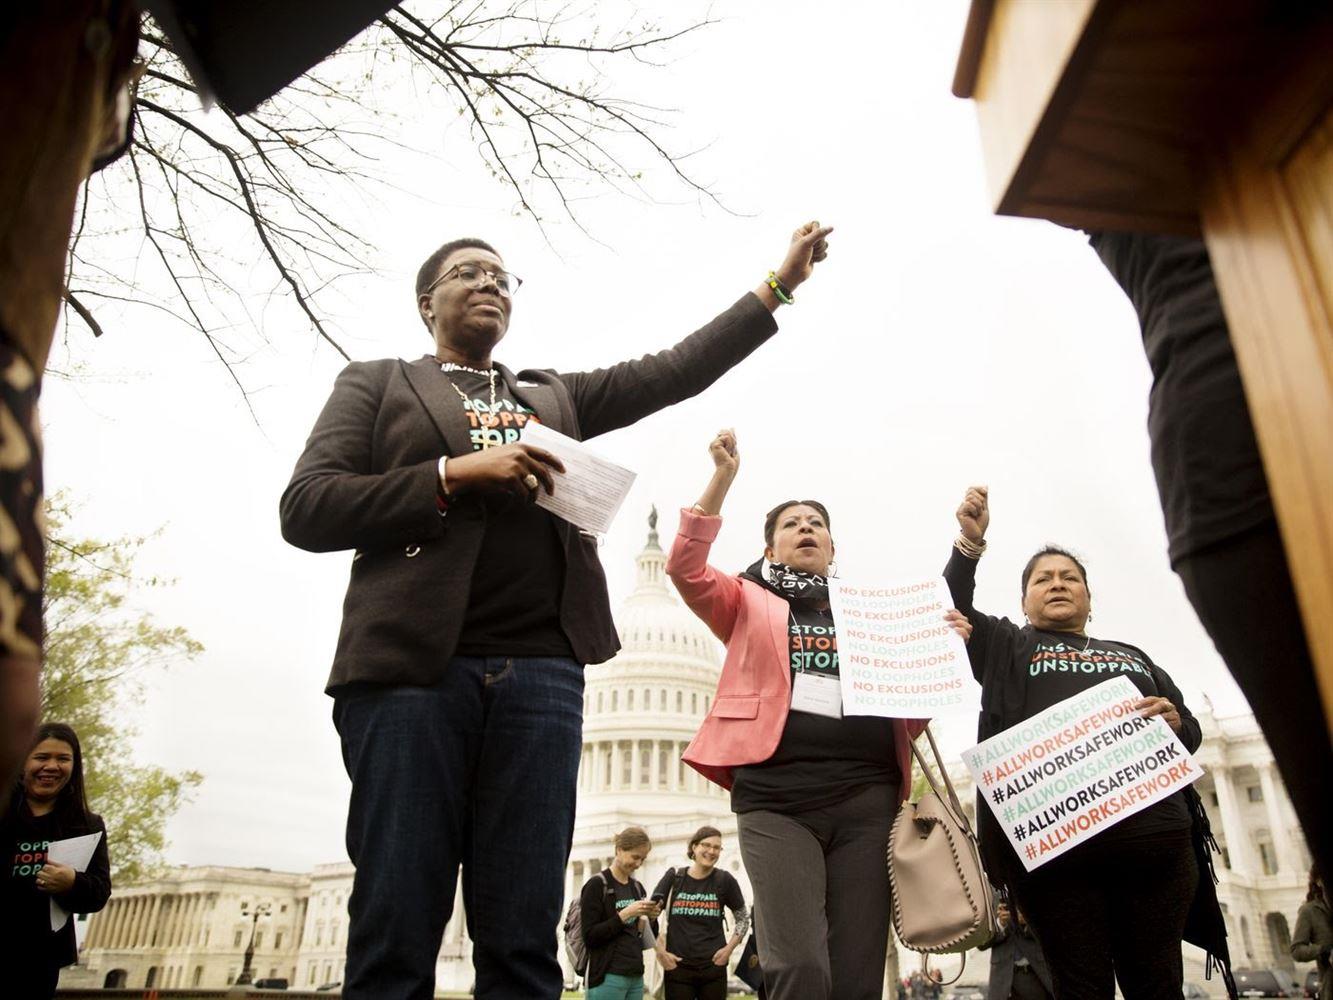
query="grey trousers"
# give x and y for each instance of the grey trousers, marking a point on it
(821, 895)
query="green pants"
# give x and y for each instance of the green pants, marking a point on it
(615, 987)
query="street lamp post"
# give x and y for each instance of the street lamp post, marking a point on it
(260, 910)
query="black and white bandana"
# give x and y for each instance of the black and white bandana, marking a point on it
(790, 584)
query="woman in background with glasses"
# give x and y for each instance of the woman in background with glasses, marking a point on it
(694, 948)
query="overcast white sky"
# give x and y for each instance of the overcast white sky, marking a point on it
(938, 346)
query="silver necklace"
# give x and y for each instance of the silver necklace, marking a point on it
(1083, 653)
(486, 422)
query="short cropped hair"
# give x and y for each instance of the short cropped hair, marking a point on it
(430, 270)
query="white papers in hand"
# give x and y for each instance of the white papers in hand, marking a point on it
(75, 852)
(591, 490)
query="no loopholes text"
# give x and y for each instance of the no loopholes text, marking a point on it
(919, 649)
(913, 600)
(907, 706)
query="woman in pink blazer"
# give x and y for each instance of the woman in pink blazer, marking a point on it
(815, 793)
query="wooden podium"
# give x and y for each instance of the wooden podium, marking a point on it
(1189, 116)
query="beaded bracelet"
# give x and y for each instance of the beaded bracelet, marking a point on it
(779, 289)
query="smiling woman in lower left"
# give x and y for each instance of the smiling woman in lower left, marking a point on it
(47, 804)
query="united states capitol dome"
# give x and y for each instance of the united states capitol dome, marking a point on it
(653, 620)
(642, 707)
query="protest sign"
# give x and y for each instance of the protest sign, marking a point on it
(897, 655)
(1060, 778)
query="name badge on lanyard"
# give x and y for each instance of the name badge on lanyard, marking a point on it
(817, 694)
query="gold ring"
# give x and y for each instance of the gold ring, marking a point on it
(531, 481)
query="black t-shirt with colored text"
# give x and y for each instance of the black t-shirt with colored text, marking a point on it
(514, 606)
(627, 948)
(694, 922)
(1065, 665)
(819, 760)
(25, 919)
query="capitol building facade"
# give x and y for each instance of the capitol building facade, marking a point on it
(190, 927)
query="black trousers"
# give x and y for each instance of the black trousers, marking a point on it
(1241, 590)
(1116, 913)
(1027, 985)
(696, 983)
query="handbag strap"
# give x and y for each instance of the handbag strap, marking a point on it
(925, 969)
(951, 800)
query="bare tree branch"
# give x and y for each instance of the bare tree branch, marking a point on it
(527, 76)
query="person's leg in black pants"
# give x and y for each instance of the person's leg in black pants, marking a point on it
(1066, 905)
(697, 984)
(1148, 917)
(679, 985)
(1027, 986)
(1241, 590)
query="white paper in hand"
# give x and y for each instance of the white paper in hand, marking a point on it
(75, 852)
(591, 490)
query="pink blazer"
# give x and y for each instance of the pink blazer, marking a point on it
(754, 692)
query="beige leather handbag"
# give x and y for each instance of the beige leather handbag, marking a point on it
(942, 900)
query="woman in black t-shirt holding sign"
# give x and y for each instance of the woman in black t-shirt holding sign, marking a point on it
(1115, 907)
(694, 948)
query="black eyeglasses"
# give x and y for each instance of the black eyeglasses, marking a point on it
(474, 276)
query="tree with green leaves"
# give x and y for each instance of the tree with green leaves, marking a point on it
(98, 651)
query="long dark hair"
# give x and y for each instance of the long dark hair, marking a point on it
(72, 802)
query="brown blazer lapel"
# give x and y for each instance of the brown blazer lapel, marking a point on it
(441, 403)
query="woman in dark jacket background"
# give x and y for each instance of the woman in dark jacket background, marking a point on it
(618, 921)
(1116, 907)
(48, 804)
(1312, 940)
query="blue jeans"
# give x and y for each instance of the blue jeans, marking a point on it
(615, 987)
(478, 770)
